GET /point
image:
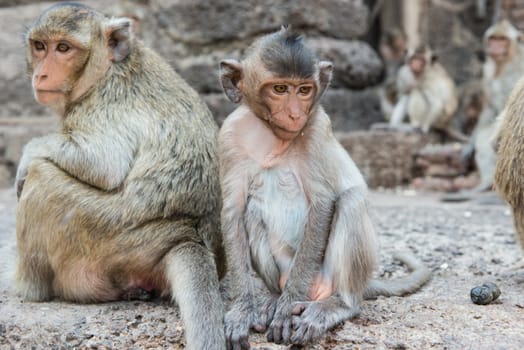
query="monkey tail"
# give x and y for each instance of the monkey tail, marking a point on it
(419, 275)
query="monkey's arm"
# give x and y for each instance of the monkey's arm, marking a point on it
(251, 306)
(306, 265)
(399, 110)
(486, 121)
(100, 160)
(308, 259)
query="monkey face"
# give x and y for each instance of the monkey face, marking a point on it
(289, 104)
(417, 64)
(498, 47)
(69, 49)
(55, 66)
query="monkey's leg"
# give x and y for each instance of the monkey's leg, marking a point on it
(34, 275)
(348, 263)
(191, 271)
(399, 111)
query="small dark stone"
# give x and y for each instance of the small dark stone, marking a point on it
(485, 294)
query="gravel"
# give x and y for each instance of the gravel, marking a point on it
(464, 244)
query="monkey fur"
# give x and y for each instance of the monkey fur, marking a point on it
(125, 199)
(299, 240)
(509, 167)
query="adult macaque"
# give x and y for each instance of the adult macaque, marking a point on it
(298, 236)
(426, 93)
(509, 168)
(503, 67)
(125, 200)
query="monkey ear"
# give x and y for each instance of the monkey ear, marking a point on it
(325, 72)
(118, 35)
(230, 76)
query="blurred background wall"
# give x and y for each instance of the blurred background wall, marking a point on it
(194, 35)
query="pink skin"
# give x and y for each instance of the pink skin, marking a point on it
(322, 287)
(53, 62)
(289, 102)
(417, 65)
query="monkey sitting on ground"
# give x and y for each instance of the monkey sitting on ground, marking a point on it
(299, 240)
(426, 94)
(125, 200)
(509, 167)
(503, 67)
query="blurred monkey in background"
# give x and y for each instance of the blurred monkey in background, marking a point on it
(426, 93)
(503, 67)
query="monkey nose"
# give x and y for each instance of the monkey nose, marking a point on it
(40, 77)
(294, 116)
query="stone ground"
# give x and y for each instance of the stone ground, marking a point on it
(464, 244)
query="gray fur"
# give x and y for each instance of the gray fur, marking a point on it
(299, 213)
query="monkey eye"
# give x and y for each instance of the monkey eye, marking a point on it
(62, 47)
(305, 90)
(280, 88)
(38, 45)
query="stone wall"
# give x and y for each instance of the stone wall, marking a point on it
(194, 35)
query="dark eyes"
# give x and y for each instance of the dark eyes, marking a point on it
(280, 89)
(62, 47)
(305, 90)
(38, 45)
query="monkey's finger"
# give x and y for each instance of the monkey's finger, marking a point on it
(299, 334)
(259, 328)
(306, 333)
(236, 338)
(266, 316)
(239, 342)
(298, 308)
(287, 331)
(274, 333)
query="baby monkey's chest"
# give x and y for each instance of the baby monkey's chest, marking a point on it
(277, 198)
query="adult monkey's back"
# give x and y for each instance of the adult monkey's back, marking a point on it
(124, 200)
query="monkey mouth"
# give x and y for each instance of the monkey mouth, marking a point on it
(49, 91)
(286, 132)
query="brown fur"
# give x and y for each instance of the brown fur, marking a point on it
(509, 168)
(126, 196)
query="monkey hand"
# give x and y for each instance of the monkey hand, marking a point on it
(236, 325)
(243, 315)
(21, 173)
(280, 328)
(309, 322)
(35, 148)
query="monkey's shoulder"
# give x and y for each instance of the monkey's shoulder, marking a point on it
(242, 128)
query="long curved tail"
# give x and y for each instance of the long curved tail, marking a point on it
(419, 275)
